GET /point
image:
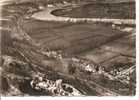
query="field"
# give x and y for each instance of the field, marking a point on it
(71, 37)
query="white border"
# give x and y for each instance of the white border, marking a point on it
(70, 98)
(137, 48)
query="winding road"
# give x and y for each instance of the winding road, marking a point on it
(46, 15)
